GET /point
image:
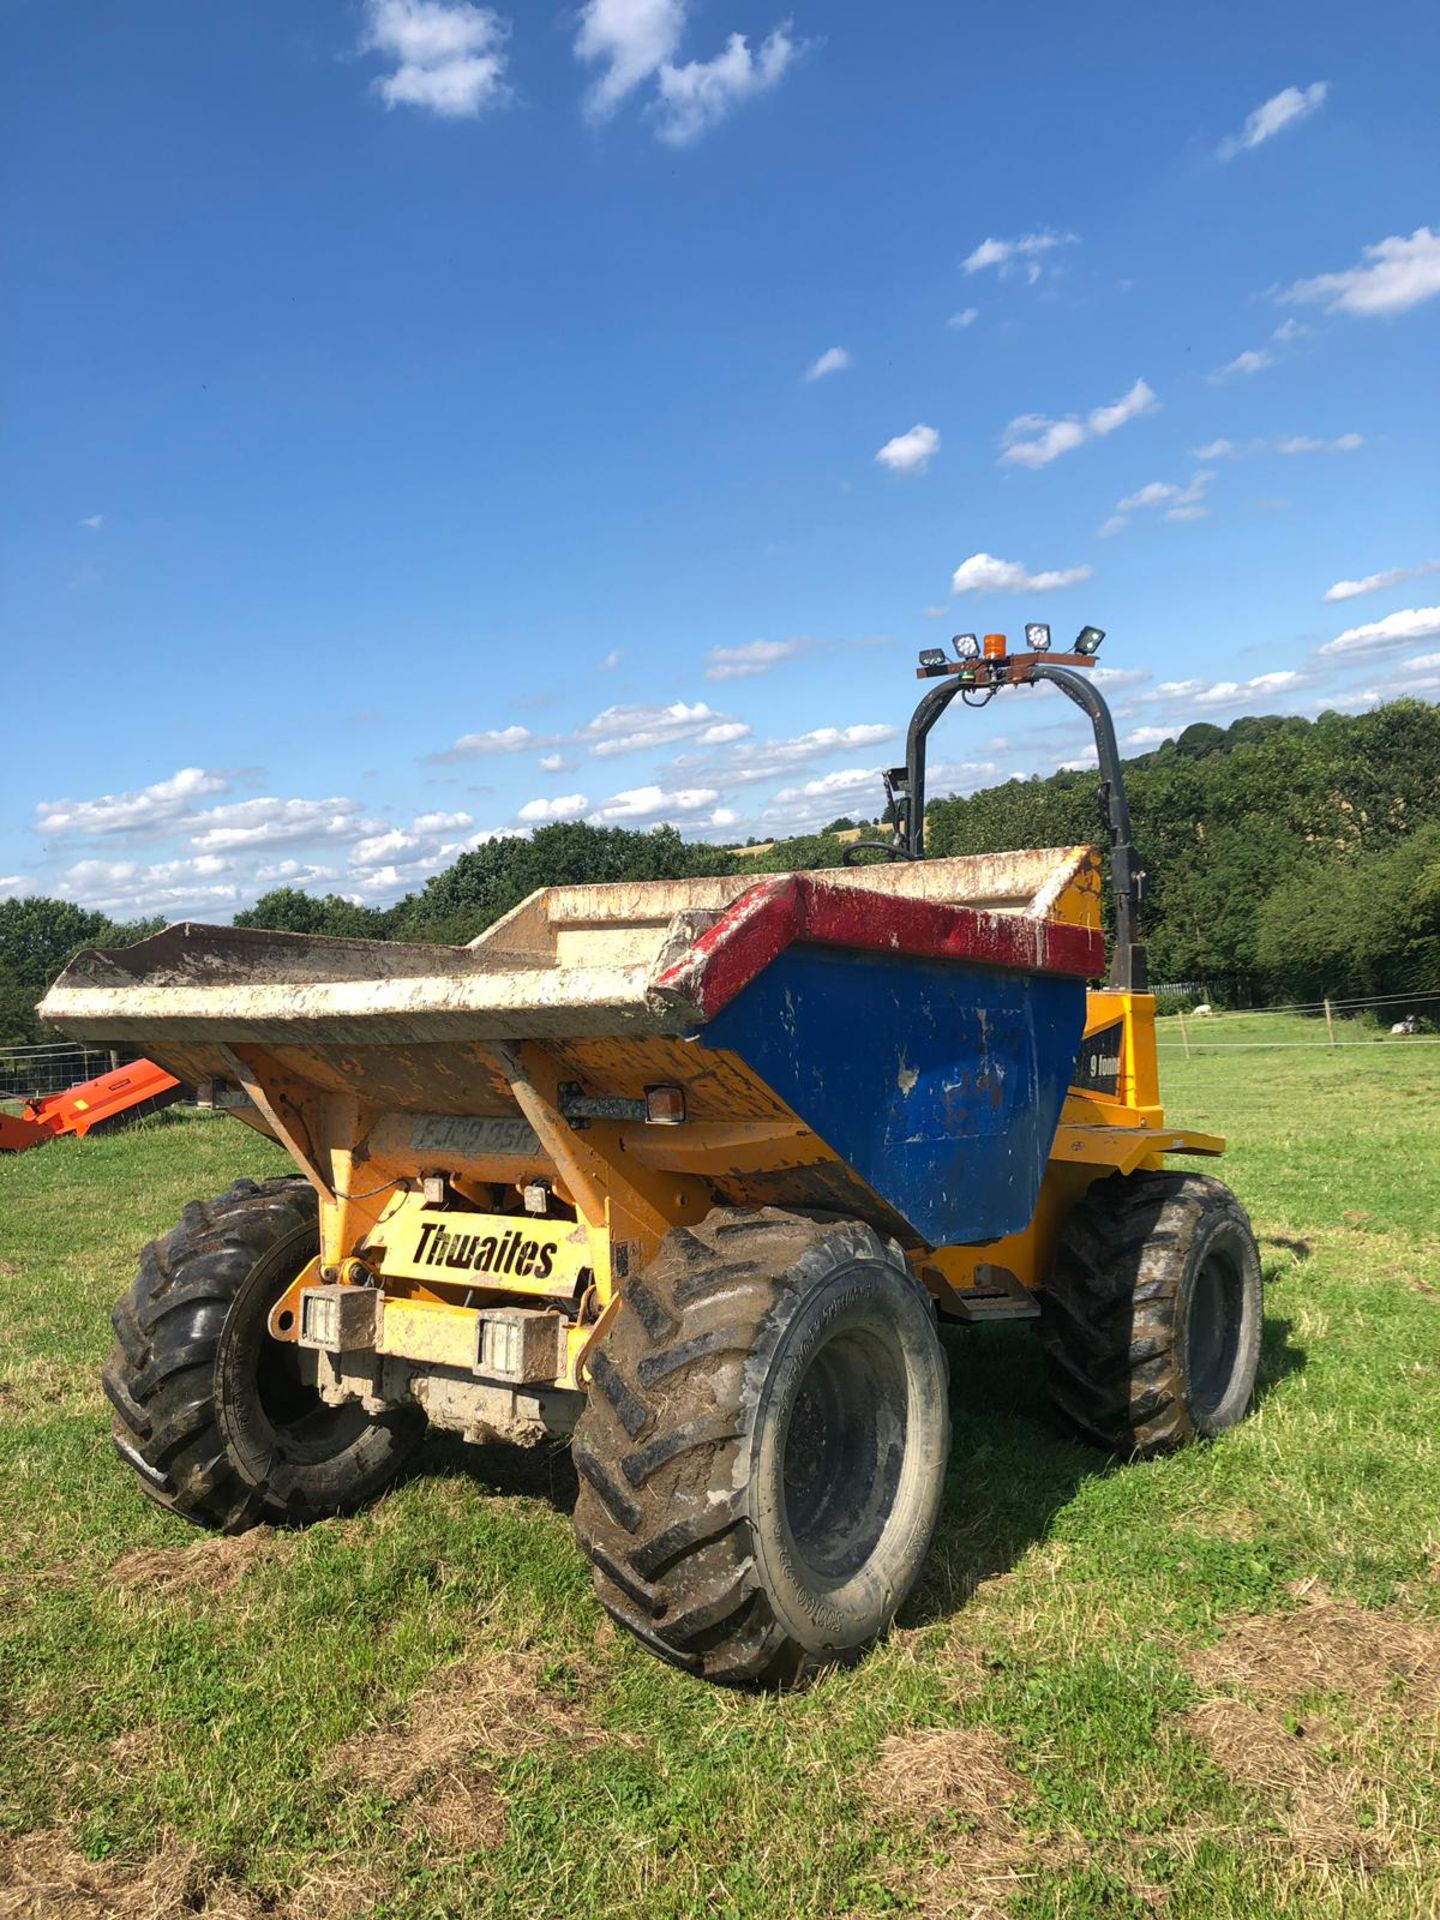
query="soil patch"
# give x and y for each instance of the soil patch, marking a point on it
(212, 1564)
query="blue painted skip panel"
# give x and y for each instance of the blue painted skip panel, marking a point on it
(940, 1084)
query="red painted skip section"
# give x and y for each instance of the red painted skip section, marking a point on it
(802, 906)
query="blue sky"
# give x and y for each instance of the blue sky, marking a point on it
(426, 420)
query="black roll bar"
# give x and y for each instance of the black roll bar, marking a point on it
(1129, 965)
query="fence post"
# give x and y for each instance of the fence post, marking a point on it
(1330, 1023)
(1185, 1036)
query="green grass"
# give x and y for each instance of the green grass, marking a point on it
(1065, 1599)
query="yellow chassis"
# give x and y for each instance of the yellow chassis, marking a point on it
(623, 1185)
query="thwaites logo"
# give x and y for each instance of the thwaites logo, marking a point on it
(1098, 1066)
(514, 1252)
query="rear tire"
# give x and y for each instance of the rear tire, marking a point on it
(763, 1449)
(211, 1414)
(1151, 1318)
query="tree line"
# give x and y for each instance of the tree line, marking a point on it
(1286, 859)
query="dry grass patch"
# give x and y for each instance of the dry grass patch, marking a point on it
(50, 1387)
(212, 1564)
(462, 1813)
(43, 1876)
(1374, 1656)
(1333, 1800)
(964, 1771)
(958, 1783)
(496, 1704)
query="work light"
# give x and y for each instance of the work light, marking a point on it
(932, 656)
(967, 646)
(1037, 637)
(1088, 640)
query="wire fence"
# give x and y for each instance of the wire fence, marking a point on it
(30, 1073)
(1194, 1033)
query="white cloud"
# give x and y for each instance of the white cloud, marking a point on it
(1222, 693)
(1033, 440)
(635, 41)
(825, 787)
(450, 55)
(910, 452)
(93, 521)
(388, 881)
(473, 746)
(1183, 502)
(833, 360)
(749, 658)
(554, 763)
(441, 822)
(966, 317)
(13, 886)
(1085, 761)
(1396, 629)
(144, 811)
(1283, 109)
(1397, 275)
(1253, 360)
(568, 806)
(983, 573)
(270, 822)
(1303, 443)
(1289, 330)
(1235, 693)
(632, 39)
(652, 803)
(757, 760)
(1117, 523)
(1140, 399)
(611, 660)
(1142, 737)
(129, 887)
(698, 96)
(1372, 582)
(636, 728)
(1289, 444)
(293, 873)
(378, 849)
(1024, 254)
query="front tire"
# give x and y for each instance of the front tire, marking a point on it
(1152, 1315)
(212, 1415)
(764, 1444)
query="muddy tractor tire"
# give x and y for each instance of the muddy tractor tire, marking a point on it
(1151, 1318)
(213, 1415)
(764, 1445)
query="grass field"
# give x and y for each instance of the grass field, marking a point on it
(1205, 1687)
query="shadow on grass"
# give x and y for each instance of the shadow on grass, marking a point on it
(543, 1472)
(1012, 1467)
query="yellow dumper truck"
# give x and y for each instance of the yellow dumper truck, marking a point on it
(689, 1172)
